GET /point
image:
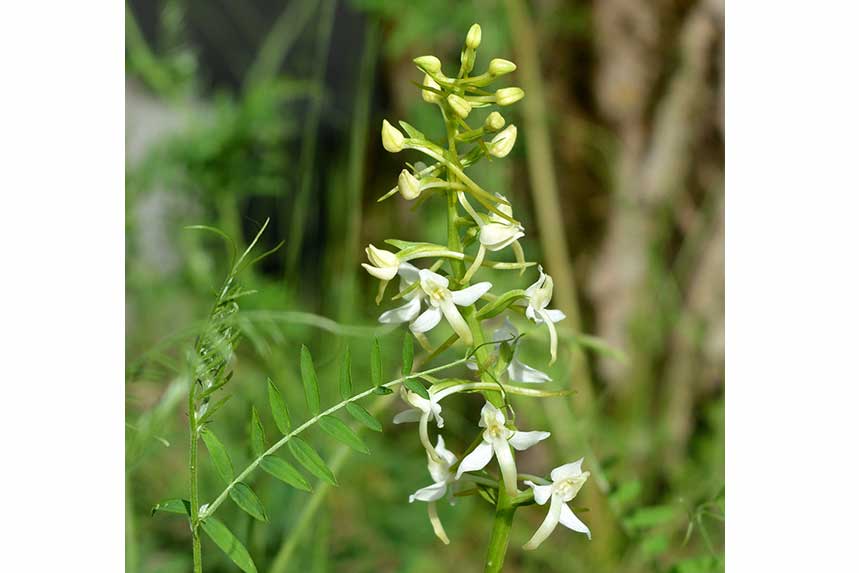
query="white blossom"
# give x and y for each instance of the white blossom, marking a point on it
(443, 479)
(567, 480)
(517, 371)
(497, 233)
(443, 302)
(539, 294)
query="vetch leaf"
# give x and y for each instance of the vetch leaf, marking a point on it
(408, 354)
(278, 409)
(376, 363)
(285, 472)
(182, 506)
(382, 390)
(246, 499)
(417, 388)
(341, 432)
(219, 455)
(362, 415)
(307, 457)
(257, 434)
(346, 374)
(224, 538)
(308, 378)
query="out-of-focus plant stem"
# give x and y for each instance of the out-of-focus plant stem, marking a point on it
(501, 525)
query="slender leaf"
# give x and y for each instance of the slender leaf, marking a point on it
(285, 472)
(219, 455)
(362, 415)
(245, 498)
(228, 543)
(376, 363)
(408, 354)
(346, 374)
(213, 408)
(278, 409)
(257, 434)
(417, 388)
(312, 462)
(335, 427)
(182, 506)
(412, 131)
(308, 378)
(382, 390)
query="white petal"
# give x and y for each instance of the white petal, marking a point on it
(531, 314)
(430, 492)
(537, 284)
(385, 274)
(519, 372)
(429, 277)
(437, 527)
(548, 526)
(524, 440)
(541, 492)
(457, 323)
(566, 471)
(405, 313)
(556, 315)
(409, 273)
(476, 460)
(489, 414)
(427, 321)
(496, 236)
(569, 519)
(469, 296)
(506, 464)
(410, 415)
(447, 455)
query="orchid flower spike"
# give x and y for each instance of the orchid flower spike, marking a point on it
(443, 480)
(567, 480)
(539, 294)
(443, 302)
(497, 439)
(517, 371)
(497, 234)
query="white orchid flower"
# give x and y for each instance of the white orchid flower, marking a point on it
(567, 480)
(497, 439)
(443, 302)
(497, 234)
(539, 294)
(421, 411)
(443, 479)
(517, 371)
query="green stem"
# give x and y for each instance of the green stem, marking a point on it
(497, 550)
(192, 470)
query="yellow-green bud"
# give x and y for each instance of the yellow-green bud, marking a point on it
(392, 139)
(499, 67)
(494, 121)
(507, 96)
(429, 64)
(409, 186)
(503, 142)
(430, 96)
(472, 40)
(460, 105)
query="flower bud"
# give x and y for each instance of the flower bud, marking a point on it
(494, 121)
(503, 142)
(429, 96)
(384, 263)
(507, 96)
(409, 186)
(429, 64)
(472, 40)
(459, 105)
(392, 139)
(499, 67)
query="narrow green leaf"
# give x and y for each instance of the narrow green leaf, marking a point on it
(285, 472)
(213, 408)
(408, 354)
(246, 499)
(307, 457)
(228, 543)
(257, 434)
(335, 427)
(278, 409)
(346, 374)
(219, 455)
(362, 415)
(411, 131)
(182, 506)
(417, 388)
(498, 306)
(308, 378)
(382, 390)
(376, 363)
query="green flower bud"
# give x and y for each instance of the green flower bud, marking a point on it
(508, 96)
(429, 96)
(472, 40)
(459, 105)
(503, 142)
(409, 186)
(392, 139)
(494, 121)
(499, 67)
(429, 64)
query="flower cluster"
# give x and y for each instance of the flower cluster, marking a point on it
(480, 223)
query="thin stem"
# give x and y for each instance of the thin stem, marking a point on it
(192, 470)
(497, 550)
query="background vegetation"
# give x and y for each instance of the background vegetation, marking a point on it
(238, 111)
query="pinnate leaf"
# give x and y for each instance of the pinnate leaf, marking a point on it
(335, 427)
(285, 472)
(417, 388)
(308, 379)
(362, 415)
(257, 434)
(312, 462)
(346, 375)
(246, 499)
(181, 506)
(229, 544)
(219, 455)
(278, 409)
